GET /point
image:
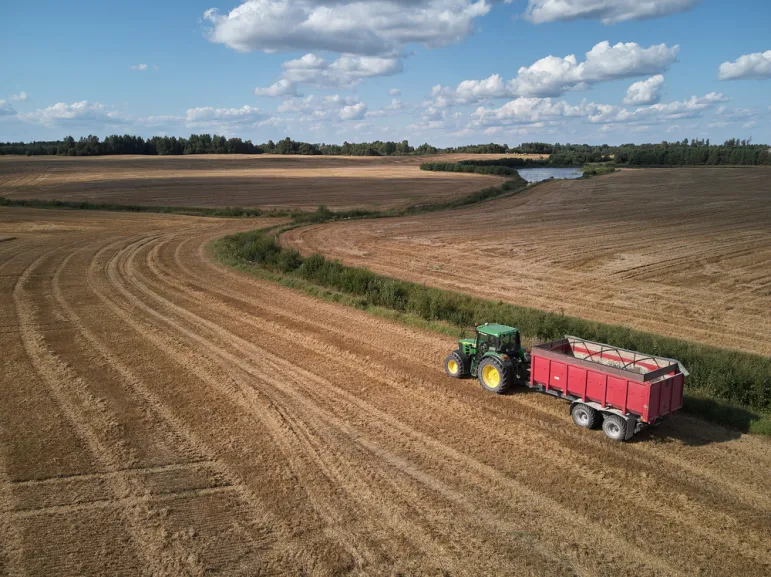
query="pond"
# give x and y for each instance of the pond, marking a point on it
(539, 174)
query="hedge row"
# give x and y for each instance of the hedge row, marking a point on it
(460, 167)
(598, 169)
(719, 374)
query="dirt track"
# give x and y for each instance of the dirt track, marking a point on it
(683, 252)
(233, 180)
(162, 415)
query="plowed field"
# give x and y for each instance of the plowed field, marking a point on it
(682, 252)
(223, 180)
(162, 415)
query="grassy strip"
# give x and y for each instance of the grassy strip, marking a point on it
(728, 387)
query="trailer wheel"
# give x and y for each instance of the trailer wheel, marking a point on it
(614, 427)
(583, 415)
(494, 375)
(456, 365)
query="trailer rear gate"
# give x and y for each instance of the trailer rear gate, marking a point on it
(633, 383)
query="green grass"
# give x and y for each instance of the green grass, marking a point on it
(597, 169)
(732, 388)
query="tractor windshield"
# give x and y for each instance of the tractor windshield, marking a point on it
(509, 343)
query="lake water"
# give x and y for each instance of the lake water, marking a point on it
(539, 174)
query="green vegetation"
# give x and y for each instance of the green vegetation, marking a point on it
(597, 169)
(463, 167)
(732, 152)
(725, 386)
(696, 152)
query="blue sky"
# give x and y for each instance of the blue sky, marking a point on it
(449, 72)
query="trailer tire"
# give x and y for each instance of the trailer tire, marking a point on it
(456, 365)
(584, 416)
(494, 375)
(614, 427)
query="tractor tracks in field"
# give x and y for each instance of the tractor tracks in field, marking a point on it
(94, 424)
(233, 426)
(380, 417)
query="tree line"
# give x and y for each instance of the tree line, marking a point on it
(681, 153)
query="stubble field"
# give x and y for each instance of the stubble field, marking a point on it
(680, 252)
(221, 180)
(164, 415)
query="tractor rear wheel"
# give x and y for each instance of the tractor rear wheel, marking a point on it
(456, 365)
(494, 375)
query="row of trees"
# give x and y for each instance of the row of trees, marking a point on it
(685, 153)
(128, 144)
(694, 153)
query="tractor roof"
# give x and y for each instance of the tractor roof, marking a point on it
(495, 330)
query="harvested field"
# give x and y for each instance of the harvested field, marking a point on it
(164, 415)
(680, 252)
(224, 180)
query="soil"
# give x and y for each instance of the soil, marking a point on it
(164, 415)
(682, 252)
(268, 181)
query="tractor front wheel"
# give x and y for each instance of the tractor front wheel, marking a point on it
(456, 365)
(494, 376)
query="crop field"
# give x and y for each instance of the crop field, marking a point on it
(162, 414)
(225, 180)
(679, 252)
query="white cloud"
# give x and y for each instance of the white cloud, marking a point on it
(756, 65)
(20, 97)
(525, 110)
(282, 87)
(553, 76)
(139, 67)
(345, 72)
(353, 111)
(607, 11)
(382, 27)
(81, 113)
(394, 92)
(543, 113)
(314, 108)
(645, 91)
(222, 117)
(395, 106)
(656, 113)
(476, 90)
(6, 109)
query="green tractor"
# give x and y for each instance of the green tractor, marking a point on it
(495, 357)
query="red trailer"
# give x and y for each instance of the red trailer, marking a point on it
(624, 389)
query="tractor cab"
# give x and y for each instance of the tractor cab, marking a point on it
(498, 339)
(495, 357)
